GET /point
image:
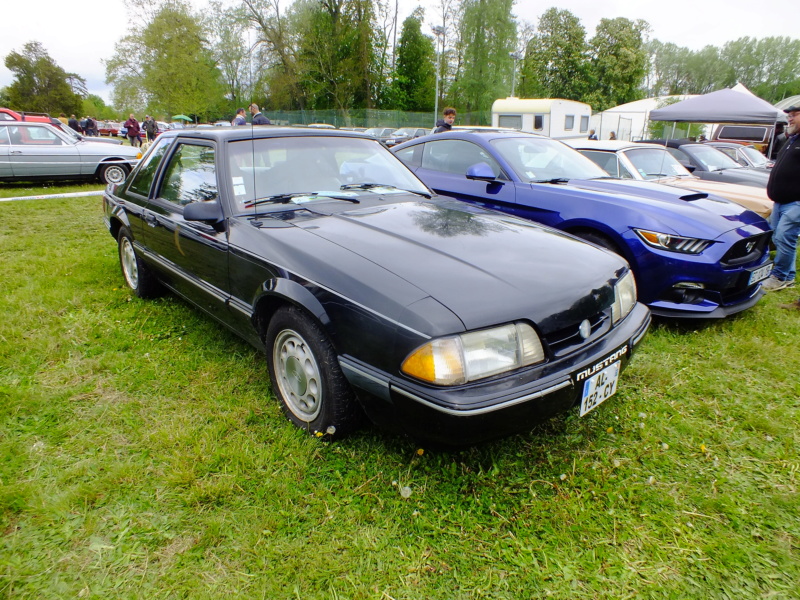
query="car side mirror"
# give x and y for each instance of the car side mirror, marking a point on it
(481, 171)
(207, 212)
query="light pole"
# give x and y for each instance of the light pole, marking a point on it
(438, 32)
(515, 56)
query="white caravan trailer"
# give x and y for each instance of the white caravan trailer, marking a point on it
(553, 117)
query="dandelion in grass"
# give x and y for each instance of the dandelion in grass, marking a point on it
(405, 492)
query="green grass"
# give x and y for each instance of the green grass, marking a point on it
(143, 456)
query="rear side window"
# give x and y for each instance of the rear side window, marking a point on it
(742, 132)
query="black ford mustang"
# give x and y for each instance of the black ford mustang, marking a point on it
(441, 320)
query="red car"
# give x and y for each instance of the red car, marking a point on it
(6, 114)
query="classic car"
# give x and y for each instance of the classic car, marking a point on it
(646, 162)
(31, 151)
(706, 162)
(693, 255)
(381, 133)
(79, 137)
(443, 321)
(404, 134)
(747, 155)
(109, 128)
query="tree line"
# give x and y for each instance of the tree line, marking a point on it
(354, 54)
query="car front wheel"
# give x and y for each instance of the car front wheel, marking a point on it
(306, 376)
(137, 275)
(113, 173)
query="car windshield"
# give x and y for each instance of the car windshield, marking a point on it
(70, 133)
(756, 158)
(710, 158)
(315, 166)
(653, 163)
(543, 159)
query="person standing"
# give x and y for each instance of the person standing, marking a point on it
(239, 119)
(133, 128)
(447, 120)
(778, 140)
(258, 118)
(150, 128)
(612, 136)
(63, 118)
(783, 188)
(90, 128)
(73, 124)
(592, 135)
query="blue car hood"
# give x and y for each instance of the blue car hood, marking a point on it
(485, 267)
(686, 212)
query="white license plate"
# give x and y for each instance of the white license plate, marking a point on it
(760, 274)
(600, 387)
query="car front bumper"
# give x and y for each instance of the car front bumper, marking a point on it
(484, 410)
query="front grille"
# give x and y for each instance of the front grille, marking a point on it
(747, 250)
(568, 339)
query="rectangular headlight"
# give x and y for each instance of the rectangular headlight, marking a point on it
(624, 297)
(474, 355)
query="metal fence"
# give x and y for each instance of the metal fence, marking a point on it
(371, 118)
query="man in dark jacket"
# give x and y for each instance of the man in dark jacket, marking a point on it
(150, 128)
(132, 125)
(783, 188)
(258, 118)
(73, 123)
(446, 123)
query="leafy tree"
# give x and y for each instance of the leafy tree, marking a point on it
(227, 28)
(487, 37)
(556, 61)
(414, 82)
(175, 70)
(619, 62)
(96, 107)
(336, 63)
(39, 85)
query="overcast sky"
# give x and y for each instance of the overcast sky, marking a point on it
(78, 34)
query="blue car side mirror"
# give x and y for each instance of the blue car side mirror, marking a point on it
(481, 171)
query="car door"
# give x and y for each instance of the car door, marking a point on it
(38, 151)
(444, 164)
(193, 256)
(5, 157)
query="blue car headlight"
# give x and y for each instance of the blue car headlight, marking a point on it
(673, 243)
(458, 359)
(624, 297)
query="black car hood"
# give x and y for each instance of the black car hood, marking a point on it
(468, 259)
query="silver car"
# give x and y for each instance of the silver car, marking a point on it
(40, 151)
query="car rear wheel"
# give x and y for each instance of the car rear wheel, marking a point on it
(113, 173)
(137, 275)
(306, 376)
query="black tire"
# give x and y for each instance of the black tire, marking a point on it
(306, 376)
(137, 275)
(113, 173)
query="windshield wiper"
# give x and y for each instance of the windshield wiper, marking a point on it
(286, 198)
(554, 180)
(369, 186)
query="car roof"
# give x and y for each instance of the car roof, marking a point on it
(259, 132)
(605, 145)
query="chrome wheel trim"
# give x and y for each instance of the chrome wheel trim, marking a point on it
(298, 375)
(130, 267)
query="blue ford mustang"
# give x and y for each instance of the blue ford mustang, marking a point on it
(693, 255)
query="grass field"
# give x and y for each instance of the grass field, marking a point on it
(142, 455)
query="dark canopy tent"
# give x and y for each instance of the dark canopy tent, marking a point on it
(722, 106)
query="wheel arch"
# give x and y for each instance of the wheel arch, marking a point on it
(279, 292)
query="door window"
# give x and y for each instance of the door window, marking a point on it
(144, 177)
(190, 175)
(456, 156)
